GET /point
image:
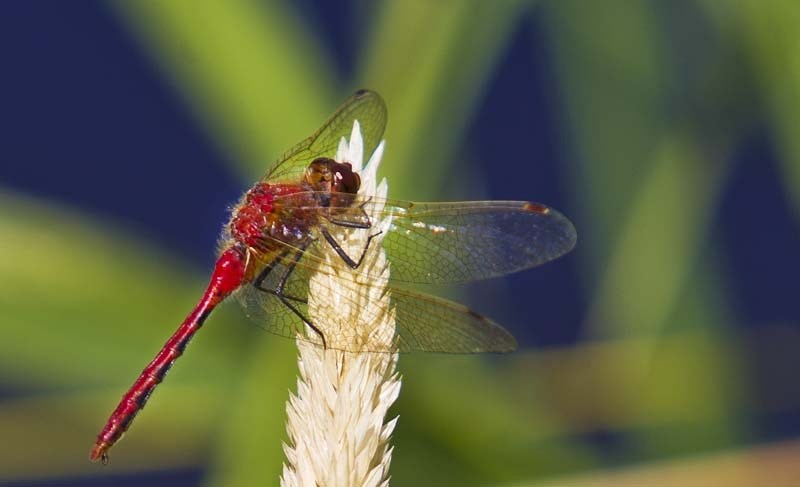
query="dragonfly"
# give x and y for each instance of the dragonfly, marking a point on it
(286, 225)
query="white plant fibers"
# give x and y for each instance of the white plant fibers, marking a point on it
(337, 434)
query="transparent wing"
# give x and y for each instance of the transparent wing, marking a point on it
(451, 242)
(424, 322)
(365, 106)
(267, 310)
(465, 241)
(432, 324)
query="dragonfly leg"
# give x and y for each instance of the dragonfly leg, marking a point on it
(340, 251)
(366, 223)
(278, 291)
(268, 270)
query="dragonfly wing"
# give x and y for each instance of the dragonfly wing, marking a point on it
(267, 310)
(432, 324)
(438, 243)
(365, 106)
(426, 243)
(279, 304)
(466, 241)
(424, 323)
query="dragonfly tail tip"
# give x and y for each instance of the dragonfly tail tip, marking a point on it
(100, 452)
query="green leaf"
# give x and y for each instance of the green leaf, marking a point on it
(50, 435)
(85, 305)
(249, 70)
(443, 54)
(250, 448)
(771, 39)
(85, 302)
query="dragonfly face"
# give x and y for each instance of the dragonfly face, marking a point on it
(328, 176)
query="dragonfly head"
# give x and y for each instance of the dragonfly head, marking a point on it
(326, 175)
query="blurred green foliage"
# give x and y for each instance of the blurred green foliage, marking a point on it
(651, 124)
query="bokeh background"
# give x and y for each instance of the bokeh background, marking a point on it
(662, 351)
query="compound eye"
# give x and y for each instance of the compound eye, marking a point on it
(345, 180)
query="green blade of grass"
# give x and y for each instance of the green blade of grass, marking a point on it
(49, 436)
(664, 231)
(772, 39)
(85, 303)
(249, 451)
(612, 72)
(442, 56)
(250, 71)
(652, 148)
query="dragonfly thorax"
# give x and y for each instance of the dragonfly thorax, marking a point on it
(263, 216)
(286, 212)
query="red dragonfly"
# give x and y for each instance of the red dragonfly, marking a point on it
(284, 226)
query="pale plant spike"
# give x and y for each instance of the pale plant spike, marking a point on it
(341, 151)
(369, 174)
(355, 154)
(335, 422)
